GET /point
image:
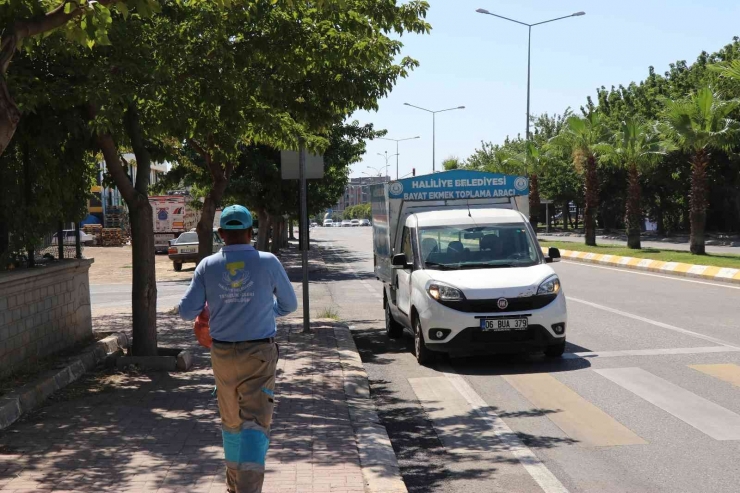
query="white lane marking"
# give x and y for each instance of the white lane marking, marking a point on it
(707, 417)
(539, 472)
(653, 322)
(672, 278)
(651, 352)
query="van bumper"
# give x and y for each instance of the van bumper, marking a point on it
(463, 334)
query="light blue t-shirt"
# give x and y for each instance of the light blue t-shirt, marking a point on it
(245, 290)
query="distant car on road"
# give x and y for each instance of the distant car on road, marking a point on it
(355, 222)
(337, 224)
(184, 249)
(346, 223)
(68, 236)
(364, 222)
(328, 223)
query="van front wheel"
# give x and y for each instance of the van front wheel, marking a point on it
(423, 355)
(555, 351)
(393, 329)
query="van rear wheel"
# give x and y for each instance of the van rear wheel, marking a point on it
(393, 329)
(177, 266)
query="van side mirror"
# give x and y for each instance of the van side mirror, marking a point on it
(553, 255)
(399, 261)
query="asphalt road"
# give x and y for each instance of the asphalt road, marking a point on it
(647, 398)
(118, 296)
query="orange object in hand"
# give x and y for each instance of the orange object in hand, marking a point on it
(202, 329)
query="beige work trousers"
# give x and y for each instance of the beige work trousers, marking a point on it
(245, 381)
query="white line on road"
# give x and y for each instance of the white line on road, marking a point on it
(672, 278)
(539, 472)
(651, 352)
(707, 417)
(653, 322)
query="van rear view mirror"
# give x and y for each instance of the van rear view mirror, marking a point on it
(399, 261)
(553, 254)
(473, 236)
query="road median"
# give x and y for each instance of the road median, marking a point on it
(698, 271)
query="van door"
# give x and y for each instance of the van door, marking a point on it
(403, 276)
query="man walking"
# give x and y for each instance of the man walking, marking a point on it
(245, 291)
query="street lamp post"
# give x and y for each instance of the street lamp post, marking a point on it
(380, 173)
(434, 127)
(386, 156)
(529, 45)
(397, 141)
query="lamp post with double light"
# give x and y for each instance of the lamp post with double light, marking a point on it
(397, 141)
(434, 127)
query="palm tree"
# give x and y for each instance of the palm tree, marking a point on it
(635, 146)
(586, 139)
(531, 162)
(698, 124)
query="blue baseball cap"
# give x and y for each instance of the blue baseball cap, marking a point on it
(236, 217)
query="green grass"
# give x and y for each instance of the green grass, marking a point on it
(716, 260)
(329, 313)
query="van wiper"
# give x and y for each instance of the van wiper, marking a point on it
(487, 265)
(440, 266)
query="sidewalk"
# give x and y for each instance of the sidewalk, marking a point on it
(680, 244)
(136, 432)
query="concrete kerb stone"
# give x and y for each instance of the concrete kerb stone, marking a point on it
(704, 272)
(15, 404)
(377, 459)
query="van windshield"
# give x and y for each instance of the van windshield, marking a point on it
(477, 247)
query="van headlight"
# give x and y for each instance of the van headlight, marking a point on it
(551, 285)
(444, 292)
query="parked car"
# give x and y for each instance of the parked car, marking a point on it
(346, 223)
(355, 222)
(69, 238)
(365, 222)
(184, 249)
(328, 223)
(337, 224)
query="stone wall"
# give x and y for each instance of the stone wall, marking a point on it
(42, 311)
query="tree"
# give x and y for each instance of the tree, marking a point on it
(26, 22)
(532, 162)
(698, 124)
(494, 159)
(451, 162)
(585, 138)
(636, 146)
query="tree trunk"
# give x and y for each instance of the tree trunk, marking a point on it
(578, 214)
(633, 215)
(534, 200)
(660, 216)
(277, 232)
(698, 201)
(292, 235)
(566, 216)
(592, 201)
(263, 238)
(204, 228)
(284, 228)
(10, 115)
(144, 285)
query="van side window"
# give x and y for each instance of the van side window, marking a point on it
(406, 245)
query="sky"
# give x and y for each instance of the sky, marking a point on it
(480, 62)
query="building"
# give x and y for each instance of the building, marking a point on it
(356, 191)
(107, 201)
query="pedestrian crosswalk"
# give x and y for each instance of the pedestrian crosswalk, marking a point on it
(584, 422)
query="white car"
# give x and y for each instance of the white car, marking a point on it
(364, 222)
(475, 284)
(69, 238)
(355, 222)
(346, 223)
(328, 223)
(185, 248)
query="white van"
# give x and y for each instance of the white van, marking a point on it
(328, 223)
(461, 266)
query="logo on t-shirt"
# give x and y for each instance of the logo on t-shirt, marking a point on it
(236, 284)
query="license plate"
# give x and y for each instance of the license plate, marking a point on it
(187, 250)
(504, 324)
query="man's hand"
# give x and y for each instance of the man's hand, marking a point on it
(202, 328)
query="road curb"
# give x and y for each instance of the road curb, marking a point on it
(377, 459)
(15, 404)
(705, 272)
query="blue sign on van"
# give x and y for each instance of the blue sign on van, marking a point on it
(458, 184)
